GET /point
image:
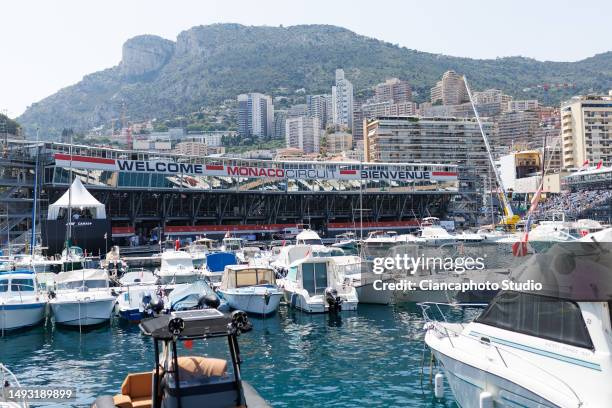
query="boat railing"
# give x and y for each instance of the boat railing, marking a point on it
(512, 358)
(8, 379)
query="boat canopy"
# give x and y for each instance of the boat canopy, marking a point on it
(188, 296)
(81, 199)
(290, 254)
(576, 270)
(81, 275)
(216, 262)
(237, 276)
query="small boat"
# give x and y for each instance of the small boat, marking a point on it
(308, 237)
(198, 250)
(215, 265)
(544, 235)
(251, 289)
(196, 295)
(177, 267)
(21, 305)
(313, 285)
(82, 298)
(433, 234)
(189, 381)
(531, 346)
(139, 296)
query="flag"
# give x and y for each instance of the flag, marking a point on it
(585, 165)
(599, 164)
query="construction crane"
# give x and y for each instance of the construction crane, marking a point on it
(509, 220)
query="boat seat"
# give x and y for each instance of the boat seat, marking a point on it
(193, 367)
(135, 391)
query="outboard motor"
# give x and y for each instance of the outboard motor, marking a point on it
(334, 301)
(152, 304)
(240, 321)
(209, 302)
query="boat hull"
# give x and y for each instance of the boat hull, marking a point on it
(19, 315)
(468, 382)
(253, 303)
(87, 312)
(317, 305)
(367, 294)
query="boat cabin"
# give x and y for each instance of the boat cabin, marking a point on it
(308, 237)
(313, 274)
(239, 276)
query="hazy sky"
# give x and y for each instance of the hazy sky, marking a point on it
(47, 45)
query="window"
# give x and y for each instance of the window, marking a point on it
(314, 277)
(22, 285)
(3, 285)
(541, 316)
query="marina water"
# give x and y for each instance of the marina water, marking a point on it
(371, 357)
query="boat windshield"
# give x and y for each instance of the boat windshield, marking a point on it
(22, 285)
(546, 317)
(314, 277)
(310, 242)
(89, 284)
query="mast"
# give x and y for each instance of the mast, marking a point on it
(69, 224)
(35, 197)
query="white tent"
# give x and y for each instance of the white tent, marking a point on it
(81, 199)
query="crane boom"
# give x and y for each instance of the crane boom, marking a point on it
(507, 208)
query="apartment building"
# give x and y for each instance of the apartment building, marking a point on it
(517, 128)
(255, 115)
(303, 133)
(586, 130)
(342, 100)
(338, 142)
(522, 105)
(394, 90)
(450, 90)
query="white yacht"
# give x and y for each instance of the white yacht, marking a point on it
(82, 298)
(21, 305)
(308, 237)
(544, 235)
(433, 234)
(313, 285)
(251, 289)
(177, 267)
(492, 235)
(198, 250)
(535, 348)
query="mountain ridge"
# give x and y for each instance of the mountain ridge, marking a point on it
(160, 78)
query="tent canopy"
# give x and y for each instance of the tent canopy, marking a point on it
(81, 199)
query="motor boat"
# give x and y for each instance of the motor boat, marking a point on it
(469, 237)
(139, 296)
(198, 250)
(177, 267)
(189, 381)
(313, 285)
(357, 272)
(433, 234)
(308, 237)
(348, 243)
(82, 298)
(288, 255)
(21, 304)
(533, 346)
(72, 258)
(196, 295)
(252, 289)
(548, 232)
(215, 265)
(492, 235)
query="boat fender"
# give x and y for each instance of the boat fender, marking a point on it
(485, 400)
(439, 385)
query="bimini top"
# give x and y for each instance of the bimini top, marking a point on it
(81, 199)
(197, 324)
(576, 270)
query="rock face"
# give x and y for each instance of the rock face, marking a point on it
(145, 54)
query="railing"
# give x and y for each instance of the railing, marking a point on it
(512, 358)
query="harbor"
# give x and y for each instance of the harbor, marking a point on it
(231, 205)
